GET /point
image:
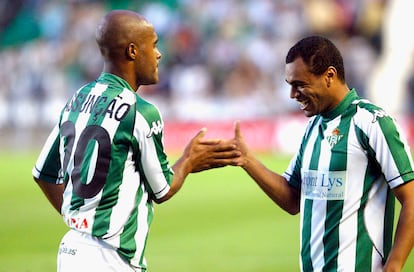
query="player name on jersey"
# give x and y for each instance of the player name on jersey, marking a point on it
(98, 105)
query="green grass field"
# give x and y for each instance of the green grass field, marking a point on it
(220, 221)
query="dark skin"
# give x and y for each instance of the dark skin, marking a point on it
(318, 95)
(128, 44)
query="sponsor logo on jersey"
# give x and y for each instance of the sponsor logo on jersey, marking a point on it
(334, 138)
(156, 128)
(63, 249)
(78, 223)
(378, 114)
(325, 185)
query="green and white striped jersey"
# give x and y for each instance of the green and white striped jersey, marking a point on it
(107, 149)
(348, 161)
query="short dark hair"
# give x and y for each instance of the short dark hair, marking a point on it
(318, 53)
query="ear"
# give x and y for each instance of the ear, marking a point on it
(330, 75)
(131, 51)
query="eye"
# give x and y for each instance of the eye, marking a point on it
(301, 87)
(298, 86)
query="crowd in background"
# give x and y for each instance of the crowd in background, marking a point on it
(221, 59)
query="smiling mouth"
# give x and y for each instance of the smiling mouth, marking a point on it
(303, 104)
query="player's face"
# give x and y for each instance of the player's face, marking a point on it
(147, 62)
(309, 90)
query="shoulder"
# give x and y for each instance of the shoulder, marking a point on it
(367, 106)
(366, 111)
(372, 118)
(148, 110)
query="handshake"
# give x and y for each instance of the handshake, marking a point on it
(202, 154)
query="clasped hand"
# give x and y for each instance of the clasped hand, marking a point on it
(204, 154)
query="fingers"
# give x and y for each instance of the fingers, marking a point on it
(226, 154)
(214, 141)
(199, 138)
(217, 163)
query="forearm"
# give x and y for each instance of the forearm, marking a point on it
(274, 185)
(53, 192)
(181, 170)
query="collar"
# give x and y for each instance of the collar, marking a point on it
(113, 79)
(338, 110)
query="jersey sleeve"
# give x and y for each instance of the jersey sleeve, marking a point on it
(292, 173)
(384, 140)
(48, 165)
(153, 162)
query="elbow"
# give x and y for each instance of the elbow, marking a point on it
(293, 210)
(163, 199)
(159, 201)
(294, 205)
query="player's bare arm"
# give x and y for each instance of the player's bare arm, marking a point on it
(404, 236)
(273, 184)
(53, 192)
(201, 154)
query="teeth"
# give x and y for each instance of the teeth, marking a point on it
(302, 104)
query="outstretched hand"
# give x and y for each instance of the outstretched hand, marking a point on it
(241, 145)
(204, 154)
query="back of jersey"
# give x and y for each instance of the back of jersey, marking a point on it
(96, 130)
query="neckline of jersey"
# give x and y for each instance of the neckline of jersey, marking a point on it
(111, 78)
(338, 110)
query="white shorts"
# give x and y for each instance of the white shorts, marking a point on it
(82, 252)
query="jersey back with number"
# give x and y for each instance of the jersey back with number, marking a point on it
(107, 149)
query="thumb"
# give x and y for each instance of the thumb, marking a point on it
(237, 133)
(200, 134)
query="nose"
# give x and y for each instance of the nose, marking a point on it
(294, 93)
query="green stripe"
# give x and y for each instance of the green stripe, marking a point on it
(388, 224)
(395, 145)
(127, 241)
(52, 163)
(306, 236)
(364, 245)
(150, 216)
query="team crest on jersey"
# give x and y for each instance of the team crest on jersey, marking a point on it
(156, 128)
(334, 138)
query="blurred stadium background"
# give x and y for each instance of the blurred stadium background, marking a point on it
(222, 60)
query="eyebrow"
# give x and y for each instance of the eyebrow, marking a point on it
(295, 82)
